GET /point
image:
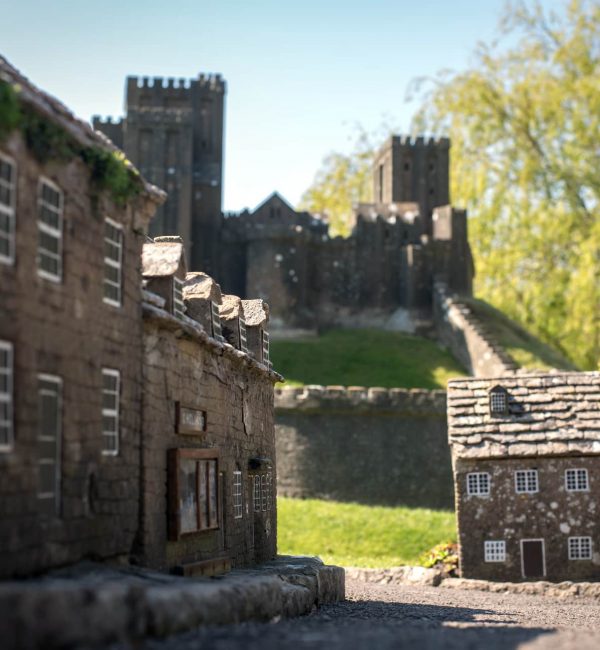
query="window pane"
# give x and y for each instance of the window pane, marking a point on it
(188, 500)
(203, 494)
(213, 488)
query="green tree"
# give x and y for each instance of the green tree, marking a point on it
(525, 128)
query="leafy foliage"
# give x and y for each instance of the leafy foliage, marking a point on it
(350, 534)
(110, 170)
(525, 127)
(444, 556)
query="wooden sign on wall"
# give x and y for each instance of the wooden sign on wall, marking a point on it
(190, 421)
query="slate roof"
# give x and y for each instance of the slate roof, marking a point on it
(161, 259)
(56, 112)
(256, 312)
(556, 413)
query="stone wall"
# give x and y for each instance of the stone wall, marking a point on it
(367, 445)
(466, 337)
(185, 367)
(65, 329)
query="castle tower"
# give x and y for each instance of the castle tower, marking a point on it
(173, 132)
(408, 170)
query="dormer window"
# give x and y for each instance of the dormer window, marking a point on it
(243, 336)
(178, 305)
(216, 322)
(498, 401)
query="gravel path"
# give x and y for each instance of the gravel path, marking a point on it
(382, 617)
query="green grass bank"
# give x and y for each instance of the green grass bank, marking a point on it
(349, 534)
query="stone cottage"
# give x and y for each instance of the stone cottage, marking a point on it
(70, 335)
(525, 452)
(208, 444)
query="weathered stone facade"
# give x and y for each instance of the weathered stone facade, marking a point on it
(525, 452)
(366, 445)
(68, 487)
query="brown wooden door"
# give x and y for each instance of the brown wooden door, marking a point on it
(532, 558)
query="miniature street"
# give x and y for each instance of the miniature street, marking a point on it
(393, 616)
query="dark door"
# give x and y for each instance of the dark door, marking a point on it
(532, 553)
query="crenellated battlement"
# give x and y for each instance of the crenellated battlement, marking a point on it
(361, 399)
(421, 141)
(106, 121)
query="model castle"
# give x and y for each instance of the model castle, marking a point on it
(401, 244)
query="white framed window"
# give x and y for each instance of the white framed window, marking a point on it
(7, 433)
(113, 262)
(577, 480)
(178, 304)
(49, 443)
(494, 551)
(216, 322)
(50, 228)
(269, 490)
(264, 489)
(256, 493)
(265, 349)
(580, 548)
(478, 484)
(237, 495)
(526, 481)
(111, 386)
(243, 336)
(8, 204)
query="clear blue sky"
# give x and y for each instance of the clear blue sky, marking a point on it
(300, 74)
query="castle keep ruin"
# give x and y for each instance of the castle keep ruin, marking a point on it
(404, 241)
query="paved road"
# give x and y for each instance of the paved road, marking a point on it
(382, 617)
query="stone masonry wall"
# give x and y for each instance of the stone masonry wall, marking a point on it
(238, 400)
(466, 337)
(65, 329)
(365, 445)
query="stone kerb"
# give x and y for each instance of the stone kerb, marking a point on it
(315, 398)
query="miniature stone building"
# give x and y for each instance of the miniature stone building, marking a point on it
(70, 337)
(525, 453)
(209, 475)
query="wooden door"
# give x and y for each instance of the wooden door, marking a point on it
(532, 558)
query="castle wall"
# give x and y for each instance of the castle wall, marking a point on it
(373, 446)
(466, 337)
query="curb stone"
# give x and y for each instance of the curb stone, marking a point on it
(93, 605)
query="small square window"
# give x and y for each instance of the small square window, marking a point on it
(237, 495)
(111, 380)
(498, 401)
(495, 551)
(526, 481)
(113, 261)
(576, 480)
(580, 548)
(478, 483)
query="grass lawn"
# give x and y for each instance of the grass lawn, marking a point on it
(527, 350)
(349, 534)
(365, 358)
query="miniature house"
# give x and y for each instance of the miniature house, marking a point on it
(526, 461)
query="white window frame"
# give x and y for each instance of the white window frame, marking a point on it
(266, 354)
(527, 474)
(216, 322)
(269, 490)
(577, 473)
(264, 491)
(57, 494)
(10, 211)
(57, 233)
(243, 335)
(7, 397)
(575, 547)
(474, 486)
(113, 435)
(108, 261)
(178, 304)
(256, 492)
(238, 501)
(494, 550)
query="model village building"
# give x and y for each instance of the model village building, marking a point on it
(132, 426)
(526, 459)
